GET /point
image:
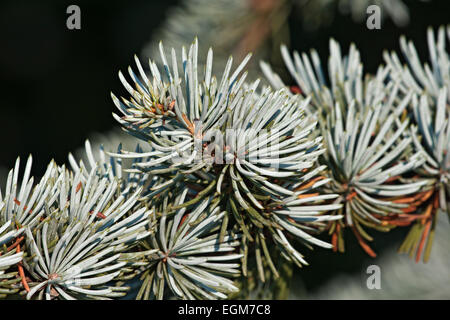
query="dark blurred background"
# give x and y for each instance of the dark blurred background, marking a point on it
(55, 83)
